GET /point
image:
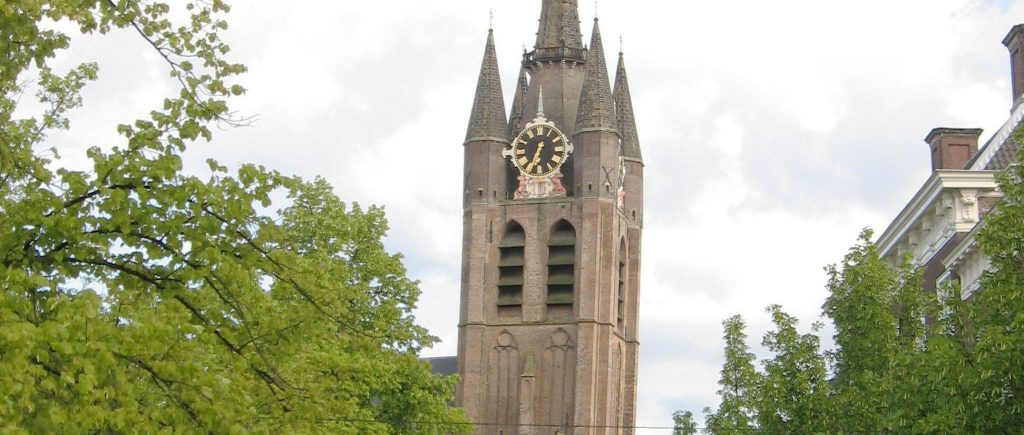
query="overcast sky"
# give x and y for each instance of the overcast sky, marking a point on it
(773, 132)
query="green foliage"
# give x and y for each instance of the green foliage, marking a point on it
(878, 314)
(140, 299)
(683, 423)
(793, 396)
(737, 411)
(893, 372)
(888, 374)
(996, 390)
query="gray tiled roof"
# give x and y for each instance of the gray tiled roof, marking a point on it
(445, 365)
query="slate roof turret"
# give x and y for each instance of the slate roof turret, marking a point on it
(487, 122)
(515, 118)
(626, 121)
(597, 107)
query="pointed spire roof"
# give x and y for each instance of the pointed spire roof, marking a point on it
(518, 103)
(559, 35)
(624, 113)
(597, 108)
(487, 122)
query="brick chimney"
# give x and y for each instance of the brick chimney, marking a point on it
(1014, 42)
(952, 148)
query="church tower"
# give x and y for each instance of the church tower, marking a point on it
(552, 222)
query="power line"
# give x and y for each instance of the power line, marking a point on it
(518, 425)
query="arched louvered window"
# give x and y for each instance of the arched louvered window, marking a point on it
(561, 270)
(620, 307)
(510, 271)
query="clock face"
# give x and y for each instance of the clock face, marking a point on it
(539, 150)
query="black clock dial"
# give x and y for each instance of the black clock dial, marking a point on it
(539, 150)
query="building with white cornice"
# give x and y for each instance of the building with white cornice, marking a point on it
(937, 228)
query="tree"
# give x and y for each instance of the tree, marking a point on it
(996, 357)
(793, 394)
(683, 423)
(138, 298)
(736, 413)
(960, 372)
(877, 311)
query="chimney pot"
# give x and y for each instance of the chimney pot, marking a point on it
(1014, 41)
(952, 148)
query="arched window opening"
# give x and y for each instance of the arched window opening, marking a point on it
(561, 270)
(510, 271)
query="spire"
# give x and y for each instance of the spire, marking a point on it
(624, 113)
(540, 102)
(487, 122)
(518, 103)
(596, 110)
(559, 35)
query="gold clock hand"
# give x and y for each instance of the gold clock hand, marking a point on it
(536, 158)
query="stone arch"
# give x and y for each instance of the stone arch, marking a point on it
(561, 285)
(512, 258)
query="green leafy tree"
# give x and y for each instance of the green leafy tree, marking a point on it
(996, 356)
(878, 314)
(793, 395)
(736, 413)
(140, 299)
(683, 423)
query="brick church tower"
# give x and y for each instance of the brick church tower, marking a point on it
(553, 213)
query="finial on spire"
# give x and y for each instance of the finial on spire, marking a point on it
(540, 103)
(622, 43)
(492, 19)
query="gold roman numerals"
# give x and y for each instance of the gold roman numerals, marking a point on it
(539, 150)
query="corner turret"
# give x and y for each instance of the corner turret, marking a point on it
(485, 172)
